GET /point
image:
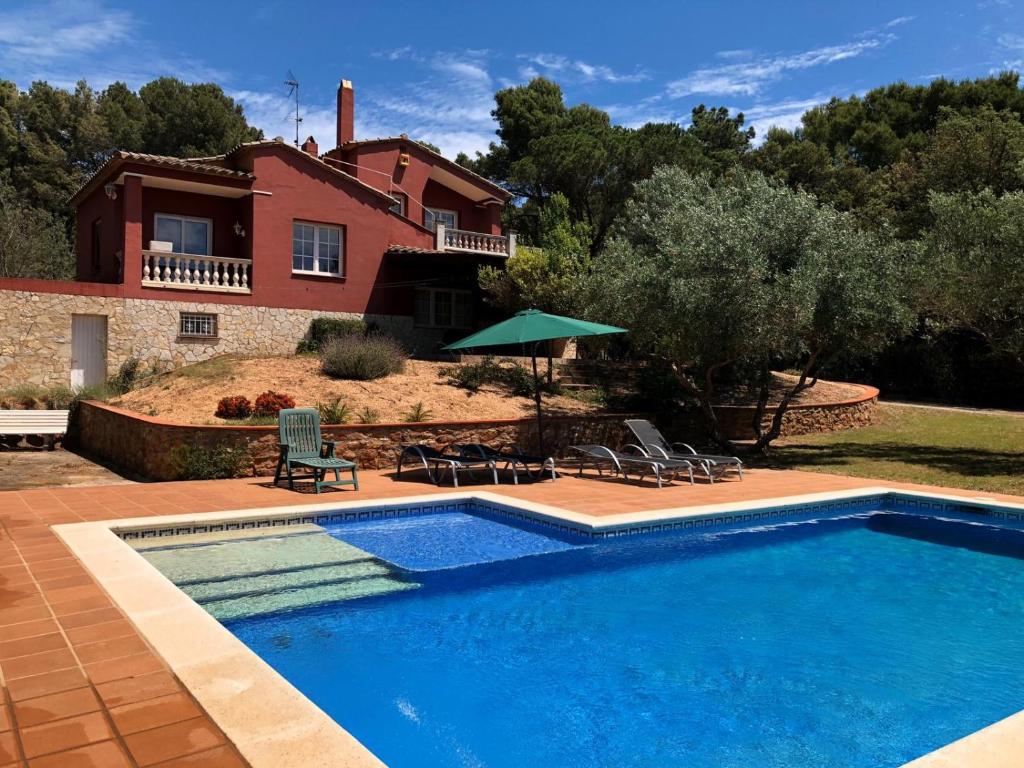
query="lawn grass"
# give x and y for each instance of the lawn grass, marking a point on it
(976, 451)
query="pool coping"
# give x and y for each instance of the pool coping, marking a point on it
(274, 725)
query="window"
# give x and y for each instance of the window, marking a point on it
(95, 244)
(197, 325)
(443, 308)
(317, 250)
(186, 235)
(399, 205)
(434, 216)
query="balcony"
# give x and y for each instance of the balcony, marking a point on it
(464, 241)
(187, 272)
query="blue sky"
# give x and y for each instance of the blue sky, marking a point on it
(430, 70)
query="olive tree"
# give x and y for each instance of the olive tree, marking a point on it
(745, 275)
(975, 276)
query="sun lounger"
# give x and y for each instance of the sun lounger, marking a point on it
(301, 446)
(601, 457)
(653, 443)
(435, 462)
(513, 457)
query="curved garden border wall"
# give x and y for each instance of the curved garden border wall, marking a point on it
(145, 446)
(737, 421)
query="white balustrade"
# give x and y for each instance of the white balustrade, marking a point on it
(474, 242)
(161, 269)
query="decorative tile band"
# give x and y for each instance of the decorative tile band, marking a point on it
(888, 501)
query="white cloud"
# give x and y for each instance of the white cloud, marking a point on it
(582, 71)
(749, 78)
(898, 21)
(782, 114)
(63, 42)
(61, 31)
(1011, 42)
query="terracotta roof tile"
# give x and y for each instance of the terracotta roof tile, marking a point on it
(196, 165)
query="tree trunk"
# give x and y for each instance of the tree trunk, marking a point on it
(765, 438)
(703, 396)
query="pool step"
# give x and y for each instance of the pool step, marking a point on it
(244, 576)
(217, 537)
(251, 557)
(306, 597)
(274, 582)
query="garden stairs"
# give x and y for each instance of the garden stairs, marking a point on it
(609, 375)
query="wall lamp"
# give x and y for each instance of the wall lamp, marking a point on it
(111, 190)
(239, 230)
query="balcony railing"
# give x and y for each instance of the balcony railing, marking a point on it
(475, 242)
(161, 269)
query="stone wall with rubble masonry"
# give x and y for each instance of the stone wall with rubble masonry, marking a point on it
(35, 340)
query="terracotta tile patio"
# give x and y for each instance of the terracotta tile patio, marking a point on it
(82, 688)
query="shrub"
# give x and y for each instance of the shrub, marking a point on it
(418, 413)
(368, 416)
(124, 380)
(362, 357)
(336, 411)
(234, 407)
(270, 402)
(513, 377)
(59, 398)
(26, 396)
(321, 329)
(217, 462)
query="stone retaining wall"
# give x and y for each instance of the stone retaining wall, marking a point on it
(736, 421)
(147, 447)
(35, 340)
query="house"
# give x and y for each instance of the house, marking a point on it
(181, 259)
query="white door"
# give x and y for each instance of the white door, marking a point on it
(88, 350)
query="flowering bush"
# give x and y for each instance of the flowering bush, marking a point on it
(234, 407)
(270, 402)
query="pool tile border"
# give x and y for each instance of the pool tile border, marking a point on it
(274, 725)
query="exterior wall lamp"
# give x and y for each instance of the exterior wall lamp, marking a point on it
(239, 230)
(110, 190)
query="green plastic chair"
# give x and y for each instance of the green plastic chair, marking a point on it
(301, 446)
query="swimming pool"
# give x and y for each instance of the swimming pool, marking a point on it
(865, 640)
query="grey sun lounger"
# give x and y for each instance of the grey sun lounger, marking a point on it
(654, 444)
(513, 457)
(435, 462)
(601, 457)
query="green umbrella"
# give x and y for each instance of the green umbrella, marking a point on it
(533, 326)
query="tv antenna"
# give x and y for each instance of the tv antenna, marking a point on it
(293, 86)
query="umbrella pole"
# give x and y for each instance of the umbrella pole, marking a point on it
(536, 398)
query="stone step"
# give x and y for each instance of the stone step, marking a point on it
(293, 599)
(210, 591)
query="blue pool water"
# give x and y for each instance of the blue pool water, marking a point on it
(859, 642)
(446, 540)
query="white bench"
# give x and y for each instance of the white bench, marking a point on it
(34, 422)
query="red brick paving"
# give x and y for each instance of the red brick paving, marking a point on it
(82, 689)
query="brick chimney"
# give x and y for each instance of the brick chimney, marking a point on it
(310, 148)
(346, 112)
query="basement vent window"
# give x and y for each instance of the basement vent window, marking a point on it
(197, 325)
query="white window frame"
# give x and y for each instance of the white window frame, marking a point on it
(316, 249)
(183, 220)
(432, 322)
(433, 211)
(198, 317)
